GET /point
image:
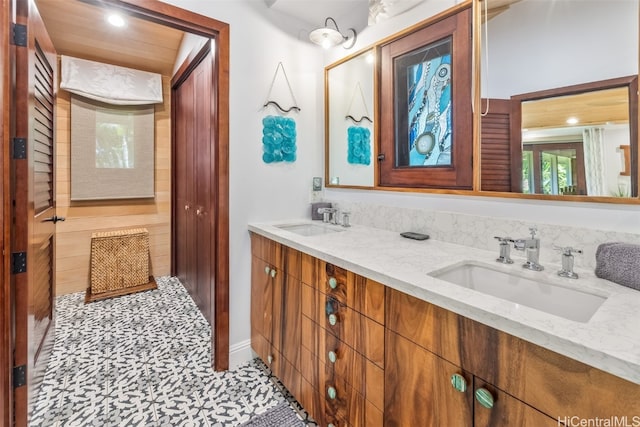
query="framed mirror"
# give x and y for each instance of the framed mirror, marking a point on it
(543, 62)
(349, 121)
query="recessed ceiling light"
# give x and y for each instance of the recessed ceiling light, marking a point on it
(572, 120)
(115, 20)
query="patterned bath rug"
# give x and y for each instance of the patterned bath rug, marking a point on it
(281, 415)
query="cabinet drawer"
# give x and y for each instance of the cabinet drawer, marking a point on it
(344, 406)
(358, 293)
(344, 362)
(354, 329)
(431, 327)
(276, 256)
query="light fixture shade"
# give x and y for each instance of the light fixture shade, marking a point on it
(326, 37)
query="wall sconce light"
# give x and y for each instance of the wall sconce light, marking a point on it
(328, 37)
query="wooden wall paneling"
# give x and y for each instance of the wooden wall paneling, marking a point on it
(73, 239)
(495, 146)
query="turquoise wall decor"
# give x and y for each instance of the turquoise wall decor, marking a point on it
(359, 146)
(278, 139)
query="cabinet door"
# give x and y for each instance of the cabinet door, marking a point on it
(418, 388)
(505, 410)
(261, 308)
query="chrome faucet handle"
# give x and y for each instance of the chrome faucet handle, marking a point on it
(505, 256)
(533, 230)
(567, 261)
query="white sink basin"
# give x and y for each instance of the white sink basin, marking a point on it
(307, 229)
(553, 299)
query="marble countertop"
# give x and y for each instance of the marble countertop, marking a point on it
(609, 340)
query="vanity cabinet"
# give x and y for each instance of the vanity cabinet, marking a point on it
(527, 384)
(354, 352)
(275, 309)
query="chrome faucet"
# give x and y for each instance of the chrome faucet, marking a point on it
(329, 215)
(532, 248)
(505, 250)
(567, 262)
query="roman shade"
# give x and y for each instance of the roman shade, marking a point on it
(111, 84)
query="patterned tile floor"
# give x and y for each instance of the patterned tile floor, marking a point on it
(143, 360)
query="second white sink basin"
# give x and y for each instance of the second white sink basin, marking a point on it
(553, 299)
(308, 229)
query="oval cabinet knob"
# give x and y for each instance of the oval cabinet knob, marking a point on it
(267, 270)
(333, 283)
(459, 383)
(186, 207)
(331, 425)
(484, 397)
(333, 319)
(333, 356)
(273, 273)
(270, 359)
(332, 393)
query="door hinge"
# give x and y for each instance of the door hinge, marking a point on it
(19, 376)
(380, 157)
(19, 147)
(18, 262)
(19, 34)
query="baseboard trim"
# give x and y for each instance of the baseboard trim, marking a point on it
(240, 353)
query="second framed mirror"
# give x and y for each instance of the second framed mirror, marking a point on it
(349, 121)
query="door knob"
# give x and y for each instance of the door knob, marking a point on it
(54, 219)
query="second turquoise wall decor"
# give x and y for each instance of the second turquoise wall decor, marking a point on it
(359, 147)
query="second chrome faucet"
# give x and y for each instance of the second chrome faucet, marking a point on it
(531, 246)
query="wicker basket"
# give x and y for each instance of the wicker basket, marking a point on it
(119, 259)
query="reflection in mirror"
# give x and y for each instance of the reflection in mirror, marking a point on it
(541, 48)
(560, 132)
(349, 121)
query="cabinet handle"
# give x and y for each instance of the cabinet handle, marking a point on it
(333, 283)
(267, 270)
(269, 359)
(186, 207)
(333, 356)
(330, 425)
(332, 393)
(273, 273)
(484, 397)
(459, 383)
(199, 211)
(333, 319)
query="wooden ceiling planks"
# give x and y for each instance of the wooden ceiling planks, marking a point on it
(81, 30)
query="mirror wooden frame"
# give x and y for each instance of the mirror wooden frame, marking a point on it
(476, 191)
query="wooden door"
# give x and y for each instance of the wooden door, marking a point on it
(507, 411)
(33, 240)
(418, 388)
(204, 161)
(184, 212)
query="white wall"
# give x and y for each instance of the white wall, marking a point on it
(542, 44)
(260, 192)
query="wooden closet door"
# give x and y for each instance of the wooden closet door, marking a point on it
(204, 162)
(184, 185)
(195, 198)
